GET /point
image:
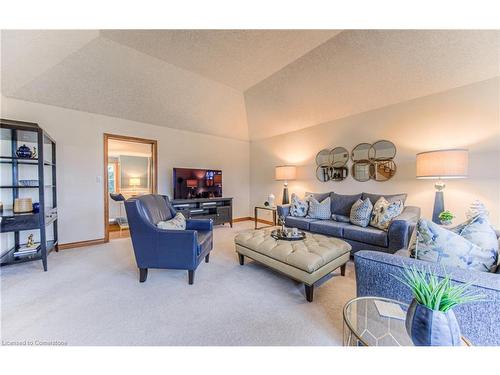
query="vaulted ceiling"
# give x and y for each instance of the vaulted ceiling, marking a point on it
(242, 84)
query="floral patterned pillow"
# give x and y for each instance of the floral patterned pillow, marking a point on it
(178, 222)
(460, 247)
(298, 207)
(383, 213)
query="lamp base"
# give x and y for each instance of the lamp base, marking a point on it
(285, 195)
(438, 206)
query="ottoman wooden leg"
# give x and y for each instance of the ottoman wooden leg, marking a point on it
(342, 269)
(241, 258)
(309, 292)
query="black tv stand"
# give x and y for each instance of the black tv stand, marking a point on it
(220, 210)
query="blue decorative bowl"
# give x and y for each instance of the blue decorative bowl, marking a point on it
(427, 327)
(24, 152)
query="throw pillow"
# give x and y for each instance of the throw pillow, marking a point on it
(361, 212)
(341, 218)
(318, 196)
(178, 222)
(319, 210)
(341, 204)
(390, 197)
(384, 212)
(298, 207)
(434, 243)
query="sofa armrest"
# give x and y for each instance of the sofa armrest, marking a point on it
(283, 210)
(401, 228)
(199, 224)
(478, 321)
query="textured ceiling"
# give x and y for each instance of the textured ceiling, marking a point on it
(359, 70)
(109, 78)
(242, 84)
(237, 58)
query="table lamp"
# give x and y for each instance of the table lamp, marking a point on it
(134, 182)
(285, 173)
(442, 164)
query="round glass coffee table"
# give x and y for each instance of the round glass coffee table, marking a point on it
(376, 321)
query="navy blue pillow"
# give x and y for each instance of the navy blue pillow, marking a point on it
(390, 198)
(341, 204)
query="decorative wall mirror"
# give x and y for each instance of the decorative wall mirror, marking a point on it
(361, 152)
(339, 156)
(382, 150)
(361, 170)
(382, 170)
(323, 172)
(323, 157)
(332, 164)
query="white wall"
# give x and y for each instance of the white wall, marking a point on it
(79, 137)
(466, 117)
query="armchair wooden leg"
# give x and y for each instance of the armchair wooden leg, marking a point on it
(342, 269)
(309, 292)
(143, 274)
(241, 258)
(207, 258)
(191, 277)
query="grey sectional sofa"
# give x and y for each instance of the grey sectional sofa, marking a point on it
(359, 238)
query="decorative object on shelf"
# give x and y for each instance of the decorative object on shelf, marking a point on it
(285, 173)
(24, 152)
(331, 164)
(271, 199)
(476, 208)
(34, 154)
(31, 183)
(36, 207)
(23, 205)
(446, 217)
(430, 320)
(30, 242)
(442, 164)
(1, 207)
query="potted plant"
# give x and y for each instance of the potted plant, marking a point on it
(446, 217)
(430, 320)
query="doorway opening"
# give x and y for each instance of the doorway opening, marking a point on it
(130, 170)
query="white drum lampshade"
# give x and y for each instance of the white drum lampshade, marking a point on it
(285, 173)
(442, 164)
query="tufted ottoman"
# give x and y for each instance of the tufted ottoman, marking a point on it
(306, 261)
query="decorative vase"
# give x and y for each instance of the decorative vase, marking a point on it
(271, 199)
(428, 327)
(445, 222)
(24, 152)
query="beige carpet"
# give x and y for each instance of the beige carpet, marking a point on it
(91, 296)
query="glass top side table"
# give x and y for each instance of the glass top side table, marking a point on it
(364, 326)
(266, 208)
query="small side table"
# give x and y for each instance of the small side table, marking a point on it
(266, 208)
(364, 326)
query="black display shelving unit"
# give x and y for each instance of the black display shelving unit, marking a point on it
(12, 135)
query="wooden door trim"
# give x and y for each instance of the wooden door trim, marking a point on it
(154, 177)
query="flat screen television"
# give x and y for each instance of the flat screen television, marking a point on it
(197, 183)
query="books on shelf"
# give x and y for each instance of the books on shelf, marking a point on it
(24, 250)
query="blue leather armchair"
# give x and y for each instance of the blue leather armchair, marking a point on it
(160, 248)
